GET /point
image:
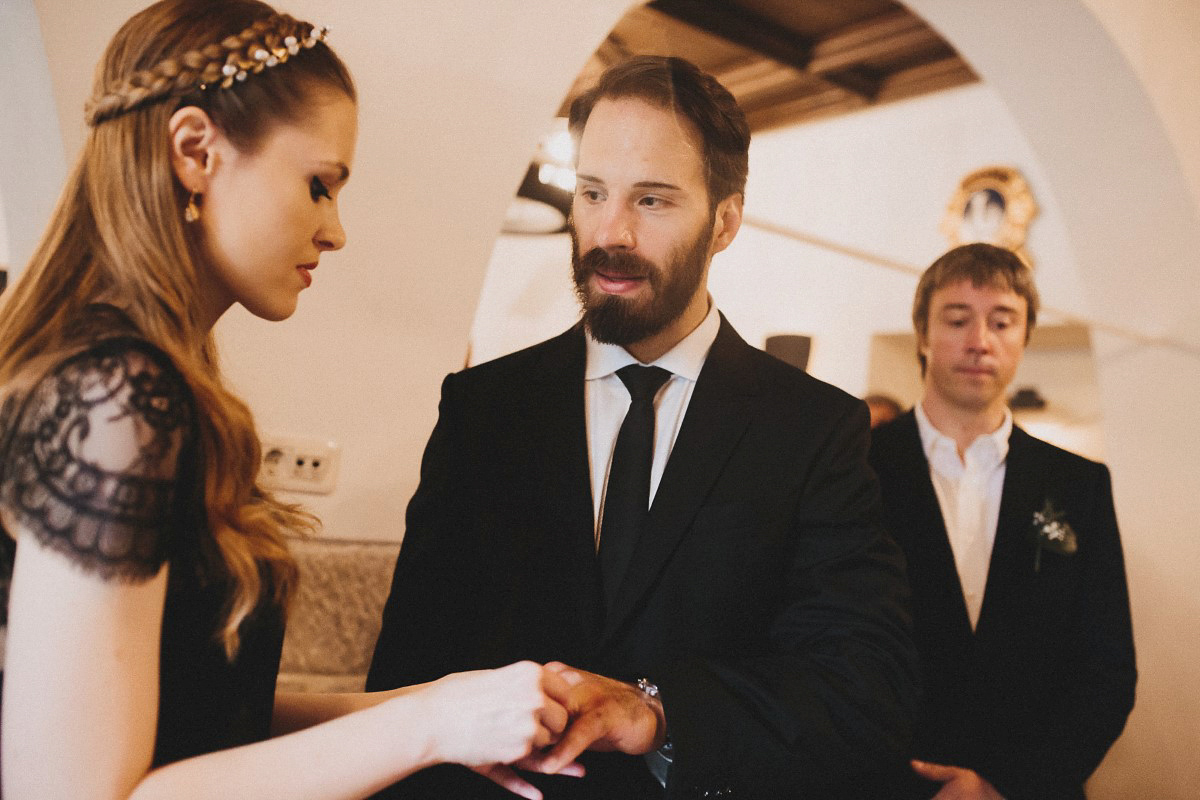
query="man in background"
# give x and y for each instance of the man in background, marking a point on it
(1020, 607)
(687, 525)
(882, 408)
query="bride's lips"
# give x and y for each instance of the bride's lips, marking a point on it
(305, 271)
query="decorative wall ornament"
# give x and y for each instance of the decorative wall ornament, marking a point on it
(993, 205)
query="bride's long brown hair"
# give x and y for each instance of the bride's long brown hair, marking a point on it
(118, 233)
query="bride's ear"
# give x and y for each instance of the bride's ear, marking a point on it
(194, 138)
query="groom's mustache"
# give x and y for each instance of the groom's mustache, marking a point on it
(616, 264)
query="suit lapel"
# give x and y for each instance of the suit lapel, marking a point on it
(556, 402)
(717, 416)
(928, 527)
(1021, 496)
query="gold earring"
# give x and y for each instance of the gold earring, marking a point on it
(191, 212)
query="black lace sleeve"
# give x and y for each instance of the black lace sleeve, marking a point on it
(92, 457)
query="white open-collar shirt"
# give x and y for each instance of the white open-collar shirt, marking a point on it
(607, 400)
(968, 491)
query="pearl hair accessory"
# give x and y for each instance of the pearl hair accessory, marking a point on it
(263, 58)
(213, 66)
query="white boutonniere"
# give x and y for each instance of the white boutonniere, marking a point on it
(1052, 532)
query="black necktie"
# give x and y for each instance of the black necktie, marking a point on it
(627, 498)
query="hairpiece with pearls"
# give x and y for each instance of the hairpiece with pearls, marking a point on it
(237, 67)
(267, 43)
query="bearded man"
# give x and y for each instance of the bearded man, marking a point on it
(682, 526)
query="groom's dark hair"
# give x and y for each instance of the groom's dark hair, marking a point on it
(676, 85)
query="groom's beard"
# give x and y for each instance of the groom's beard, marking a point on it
(625, 321)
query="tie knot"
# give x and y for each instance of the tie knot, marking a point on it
(642, 382)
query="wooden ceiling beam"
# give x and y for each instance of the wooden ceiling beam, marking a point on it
(756, 77)
(865, 83)
(781, 75)
(933, 76)
(741, 27)
(890, 35)
(790, 112)
(755, 32)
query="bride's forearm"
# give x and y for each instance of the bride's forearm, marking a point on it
(386, 744)
(296, 711)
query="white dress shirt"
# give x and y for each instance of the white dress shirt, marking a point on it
(607, 400)
(968, 491)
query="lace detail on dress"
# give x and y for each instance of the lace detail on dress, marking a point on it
(91, 462)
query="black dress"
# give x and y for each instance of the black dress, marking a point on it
(123, 521)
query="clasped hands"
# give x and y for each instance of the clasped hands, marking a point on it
(583, 711)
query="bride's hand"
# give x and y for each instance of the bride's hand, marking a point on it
(495, 716)
(506, 776)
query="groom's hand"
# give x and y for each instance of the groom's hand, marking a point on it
(957, 783)
(605, 714)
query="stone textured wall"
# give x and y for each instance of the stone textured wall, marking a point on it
(335, 620)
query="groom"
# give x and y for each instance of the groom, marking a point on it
(688, 523)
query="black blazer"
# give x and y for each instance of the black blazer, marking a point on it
(1033, 698)
(763, 597)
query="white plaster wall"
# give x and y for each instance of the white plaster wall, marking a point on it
(32, 163)
(4, 256)
(1158, 40)
(526, 295)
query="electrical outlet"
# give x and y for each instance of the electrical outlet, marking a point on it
(299, 464)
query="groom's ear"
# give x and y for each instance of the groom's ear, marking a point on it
(727, 222)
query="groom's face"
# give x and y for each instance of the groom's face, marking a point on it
(642, 228)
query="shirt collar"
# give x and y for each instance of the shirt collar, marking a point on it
(934, 441)
(684, 359)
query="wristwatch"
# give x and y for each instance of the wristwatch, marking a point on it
(667, 751)
(646, 687)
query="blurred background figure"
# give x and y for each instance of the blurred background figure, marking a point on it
(883, 408)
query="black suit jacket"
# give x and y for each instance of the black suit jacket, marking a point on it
(763, 598)
(1033, 698)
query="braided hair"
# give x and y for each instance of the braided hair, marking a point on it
(265, 43)
(117, 235)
